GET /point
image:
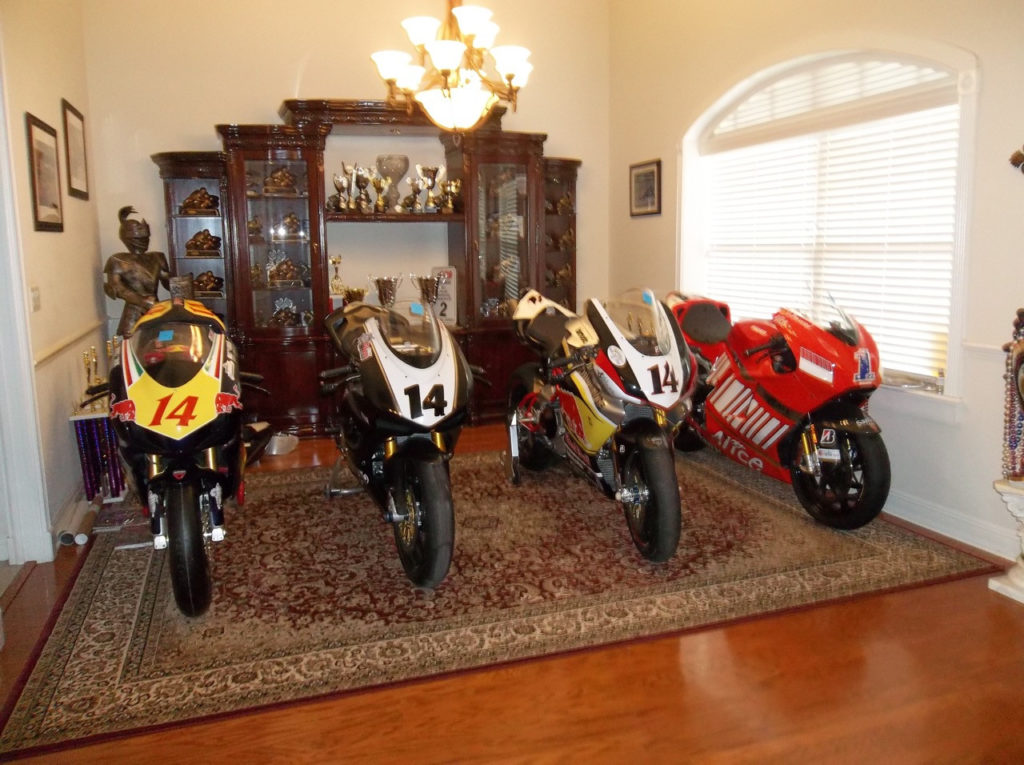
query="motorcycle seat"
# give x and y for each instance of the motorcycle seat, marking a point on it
(705, 323)
(548, 331)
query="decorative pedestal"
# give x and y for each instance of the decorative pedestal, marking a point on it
(1011, 584)
(97, 450)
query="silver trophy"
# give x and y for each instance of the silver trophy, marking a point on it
(431, 176)
(429, 286)
(393, 167)
(387, 289)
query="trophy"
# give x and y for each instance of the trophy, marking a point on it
(350, 179)
(339, 201)
(450, 192)
(382, 186)
(337, 285)
(412, 202)
(393, 167)
(429, 286)
(387, 289)
(430, 176)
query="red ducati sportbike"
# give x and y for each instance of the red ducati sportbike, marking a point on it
(788, 397)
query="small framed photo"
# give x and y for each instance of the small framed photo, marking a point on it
(44, 171)
(74, 151)
(645, 188)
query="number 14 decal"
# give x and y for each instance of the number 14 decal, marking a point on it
(660, 381)
(434, 400)
(184, 412)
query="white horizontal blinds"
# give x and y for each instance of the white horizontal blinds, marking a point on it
(864, 212)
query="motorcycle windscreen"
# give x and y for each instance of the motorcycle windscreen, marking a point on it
(172, 353)
(412, 333)
(641, 321)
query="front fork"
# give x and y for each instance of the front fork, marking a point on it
(211, 502)
(810, 461)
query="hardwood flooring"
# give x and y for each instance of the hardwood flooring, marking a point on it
(933, 674)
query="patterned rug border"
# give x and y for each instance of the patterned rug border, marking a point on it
(657, 612)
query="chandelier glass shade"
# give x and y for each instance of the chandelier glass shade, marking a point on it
(451, 77)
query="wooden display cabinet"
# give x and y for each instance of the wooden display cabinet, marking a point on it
(196, 204)
(275, 177)
(558, 263)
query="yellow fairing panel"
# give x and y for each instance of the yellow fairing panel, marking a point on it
(175, 412)
(588, 426)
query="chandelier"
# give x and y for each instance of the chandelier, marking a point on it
(449, 79)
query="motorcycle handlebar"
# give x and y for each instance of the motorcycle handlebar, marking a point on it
(775, 342)
(250, 377)
(330, 374)
(583, 355)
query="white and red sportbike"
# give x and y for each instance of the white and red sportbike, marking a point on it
(788, 397)
(608, 394)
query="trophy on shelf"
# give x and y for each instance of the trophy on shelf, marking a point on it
(339, 202)
(430, 177)
(387, 289)
(382, 186)
(412, 204)
(363, 203)
(429, 286)
(450, 192)
(393, 167)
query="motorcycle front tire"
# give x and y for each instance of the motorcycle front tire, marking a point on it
(654, 524)
(426, 538)
(190, 567)
(851, 492)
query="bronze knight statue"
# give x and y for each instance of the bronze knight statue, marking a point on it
(134, 276)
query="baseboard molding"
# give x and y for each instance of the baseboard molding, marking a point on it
(950, 523)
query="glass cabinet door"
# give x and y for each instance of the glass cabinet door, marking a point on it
(278, 234)
(502, 238)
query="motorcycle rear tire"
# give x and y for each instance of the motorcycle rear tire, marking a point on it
(654, 525)
(847, 496)
(533, 454)
(426, 538)
(689, 440)
(190, 567)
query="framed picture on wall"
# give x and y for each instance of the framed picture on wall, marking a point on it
(645, 188)
(44, 172)
(74, 151)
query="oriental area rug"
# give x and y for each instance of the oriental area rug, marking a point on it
(310, 598)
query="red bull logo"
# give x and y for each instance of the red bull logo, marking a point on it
(123, 410)
(225, 402)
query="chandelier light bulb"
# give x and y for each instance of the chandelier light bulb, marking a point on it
(421, 29)
(391, 63)
(484, 37)
(471, 18)
(446, 55)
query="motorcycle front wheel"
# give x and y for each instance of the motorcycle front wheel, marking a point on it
(190, 567)
(852, 489)
(426, 537)
(650, 499)
(534, 454)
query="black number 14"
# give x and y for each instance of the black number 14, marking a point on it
(660, 382)
(434, 400)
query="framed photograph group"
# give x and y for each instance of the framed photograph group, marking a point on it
(74, 151)
(645, 188)
(44, 169)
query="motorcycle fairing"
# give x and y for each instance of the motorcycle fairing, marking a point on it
(425, 395)
(582, 415)
(178, 412)
(659, 378)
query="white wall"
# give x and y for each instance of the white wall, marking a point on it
(671, 60)
(43, 62)
(161, 75)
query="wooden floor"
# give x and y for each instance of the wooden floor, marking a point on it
(934, 674)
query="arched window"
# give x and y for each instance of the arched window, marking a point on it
(837, 177)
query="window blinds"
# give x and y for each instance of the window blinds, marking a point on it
(863, 212)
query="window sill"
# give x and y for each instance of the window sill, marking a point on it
(912, 402)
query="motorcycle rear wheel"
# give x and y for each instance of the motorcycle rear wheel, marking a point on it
(190, 567)
(426, 538)
(851, 492)
(533, 453)
(654, 516)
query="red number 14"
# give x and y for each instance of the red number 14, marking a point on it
(184, 412)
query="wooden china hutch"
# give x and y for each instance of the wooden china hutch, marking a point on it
(513, 227)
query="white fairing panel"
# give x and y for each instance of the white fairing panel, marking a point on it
(423, 395)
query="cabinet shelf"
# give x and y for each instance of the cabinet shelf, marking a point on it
(332, 216)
